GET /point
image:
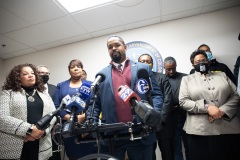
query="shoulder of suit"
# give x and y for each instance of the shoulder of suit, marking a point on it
(51, 85)
(63, 82)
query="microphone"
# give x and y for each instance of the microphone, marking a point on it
(98, 79)
(144, 84)
(147, 115)
(128, 96)
(85, 91)
(76, 104)
(44, 122)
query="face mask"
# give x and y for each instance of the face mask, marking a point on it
(45, 78)
(202, 67)
(209, 56)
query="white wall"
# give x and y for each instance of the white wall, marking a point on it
(1, 73)
(178, 38)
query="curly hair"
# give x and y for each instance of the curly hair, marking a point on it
(13, 80)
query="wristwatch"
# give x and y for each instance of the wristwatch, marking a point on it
(29, 131)
(206, 107)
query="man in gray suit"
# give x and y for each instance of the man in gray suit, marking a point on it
(43, 72)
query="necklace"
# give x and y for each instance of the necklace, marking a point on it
(30, 98)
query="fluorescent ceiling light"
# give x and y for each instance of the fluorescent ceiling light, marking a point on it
(81, 5)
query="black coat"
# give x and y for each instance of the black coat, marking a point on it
(168, 114)
(51, 90)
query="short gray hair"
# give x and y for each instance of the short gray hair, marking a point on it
(42, 66)
(170, 60)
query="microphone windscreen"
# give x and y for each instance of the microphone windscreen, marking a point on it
(143, 74)
(102, 77)
(78, 103)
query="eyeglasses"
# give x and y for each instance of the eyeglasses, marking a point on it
(146, 61)
(201, 61)
(43, 73)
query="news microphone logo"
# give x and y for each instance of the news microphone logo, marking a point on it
(127, 95)
(142, 86)
(67, 99)
(85, 91)
(77, 102)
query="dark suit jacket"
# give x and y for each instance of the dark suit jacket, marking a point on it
(105, 102)
(51, 90)
(236, 69)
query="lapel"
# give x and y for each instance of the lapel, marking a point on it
(109, 77)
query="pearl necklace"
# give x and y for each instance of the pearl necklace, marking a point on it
(30, 98)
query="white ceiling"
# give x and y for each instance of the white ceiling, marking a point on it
(32, 25)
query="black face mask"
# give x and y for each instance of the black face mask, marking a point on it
(202, 67)
(45, 78)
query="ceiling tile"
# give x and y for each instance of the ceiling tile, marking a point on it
(210, 2)
(30, 36)
(48, 45)
(76, 39)
(65, 25)
(176, 6)
(108, 31)
(1, 53)
(142, 11)
(22, 52)
(218, 6)
(99, 18)
(34, 11)
(142, 23)
(6, 56)
(11, 45)
(181, 15)
(10, 21)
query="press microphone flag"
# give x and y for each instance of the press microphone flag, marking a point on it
(143, 74)
(128, 96)
(77, 103)
(85, 91)
(144, 84)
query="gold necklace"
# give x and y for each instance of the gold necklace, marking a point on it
(30, 98)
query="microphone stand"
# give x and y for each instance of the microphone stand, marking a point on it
(69, 126)
(89, 123)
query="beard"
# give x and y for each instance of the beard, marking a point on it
(116, 57)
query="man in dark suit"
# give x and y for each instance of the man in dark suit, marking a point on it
(123, 71)
(44, 73)
(166, 135)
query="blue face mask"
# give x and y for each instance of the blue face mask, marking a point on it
(209, 56)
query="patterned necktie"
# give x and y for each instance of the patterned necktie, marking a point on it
(120, 68)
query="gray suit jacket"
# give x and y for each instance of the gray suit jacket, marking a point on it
(14, 125)
(217, 89)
